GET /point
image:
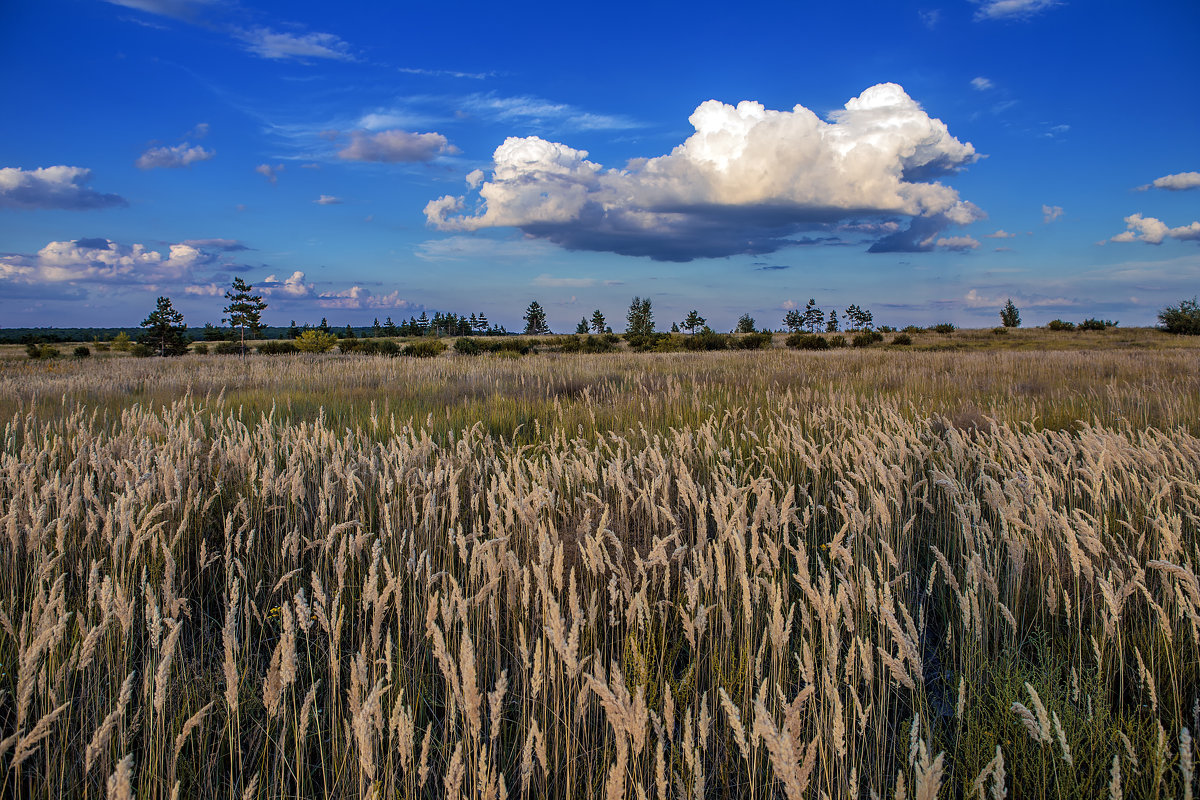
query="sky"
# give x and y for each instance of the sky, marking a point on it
(924, 160)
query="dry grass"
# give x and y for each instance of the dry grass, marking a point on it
(768, 574)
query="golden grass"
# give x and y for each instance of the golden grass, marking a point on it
(846, 574)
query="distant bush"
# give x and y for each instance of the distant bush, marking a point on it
(751, 341)
(508, 344)
(140, 350)
(657, 342)
(1060, 325)
(913, 329)
(200, 349)
(315, 341)
(466, 346)
(429, 348)
(706, 340)
(1183, 318)
(102, 347)
(944, 327)
(837, 341)
(1000, 331)
(1097, 324)
(902, 339)
(278, 347)
(82, 351)
(886, 329)
(379, 347)
(230, 349)
(866, 339)
(587, 344)
(807, 341)
(42, 352)
(121, 342)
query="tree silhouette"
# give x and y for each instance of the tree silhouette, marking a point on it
(165, 329)
(244, 310)
(535, 320)
(598, 322)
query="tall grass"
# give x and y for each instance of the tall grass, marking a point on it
(729, 575)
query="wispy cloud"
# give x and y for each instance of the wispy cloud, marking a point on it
(328, 200)
(1011, 9)
(181, 155)
(981, 84)
(281, 45)
(551, 281)
(446, 73)
(1051, 213)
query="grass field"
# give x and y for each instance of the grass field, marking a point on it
(856, 573)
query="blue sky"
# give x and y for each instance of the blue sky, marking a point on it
(925, 160)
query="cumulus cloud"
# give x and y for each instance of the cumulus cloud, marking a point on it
(328, 200)
(1154, 231)
(981, 84)
(293, 286)
(104, 261)
(280, 45)
(1051, 213)
(204, 290)
(359, 297)
(1000, 234)
(269, 172)
(1011, 9)
(181, 155)
(749, 180)
(1180, 181)
(959, 244)
(52, 187)
(396, 146)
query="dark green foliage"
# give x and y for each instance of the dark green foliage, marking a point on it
(466, 346)
(1183, 318)
(807, 341)
(706, 340)
(40, 352)
(200, 349)
(1091, 324)
(745, 324)
(866, 339)
(587, 344)
(944, 327)
(1010, 317)
(427, 349)
(751, 341)
(639, 321)
(82, 351)
(1060, 325)
(165, 330)
(654, 342)
(230, 349)
(141, 350)
(902, 339)
(278, 348)
(244, 309)
(535, 320)
(912, 329)
(837, 341)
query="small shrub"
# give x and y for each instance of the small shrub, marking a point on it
(121, 342)
(430, 348)
(1060, 325)
(102, 347)
(141, 350)
(1091, 324)
(1000, 331)
(315, 341)
(944, 327)
(377, 347)
(866, 339)
(466, 346)
(230, 349)
(200, 349)
(886, 329)
(912, 329)
(40, 352)
(278, 348)
(902, 339)
(706, 340)
(82, 351)
(656, 342)
(752, 341)
(837, 341)
(807, 341)
(1183, 318)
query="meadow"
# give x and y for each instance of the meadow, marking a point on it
(869, 573)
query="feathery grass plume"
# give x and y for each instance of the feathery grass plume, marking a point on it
(1062, 739)
(251, 790)
(423, 767)
(229, 642)
(163, 673)
(1185, 762)
(104, 732)
(1114, 783)
(192, 723)
(120, 782)
(788, 769)
(1029, 721)
(735, 722)
(994, 769)
(27, 744)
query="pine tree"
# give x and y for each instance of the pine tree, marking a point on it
(693, 321)
(598, 324)
(745, 324)
(1010, 316)
(244, 310)
(481, 322)
(639, 321)
(376, 328)
(423, 323)
(535, 320)
(389, 328)
(165, 329)
(831, 325)
(582, 327)
(813, 317)
(793, 320)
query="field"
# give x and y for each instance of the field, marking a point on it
(857, 573)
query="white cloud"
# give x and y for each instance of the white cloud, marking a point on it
(204, 290)
(181, 155)
(279, 45)
(977, 299)
(1051, 213)
(176, 9)
(1154, 231)
(959, 244)
(1000, 234)
(981, 84)
(550, 281)
(359, 297)
(52, 187)
(328, 200)
(269, 172)
(1011, 9)
(744, 182)
(396, 146)
(1180, 181)
(200, 131)
(537, 110)
(293, 286)
(104, 261)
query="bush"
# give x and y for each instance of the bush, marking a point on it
(752, 341)
(141, 350)
(315, 341)
(902, 339)
(1060, 325)
(1000, 331)
(430, 348)
(913, 329)
(837, 341)
(40, 352)
(378, 347)
(807, 341)
(82, 351)
(230, 349)
(1096, 324)
(886, 329)
(944, 327)
(101, 347)
(121, 342)
(866, 339)
(200, 349)
(586, 344)
(706, 340)
(1183, 318)
(466, 346)
(657, 342)
(278, 348)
